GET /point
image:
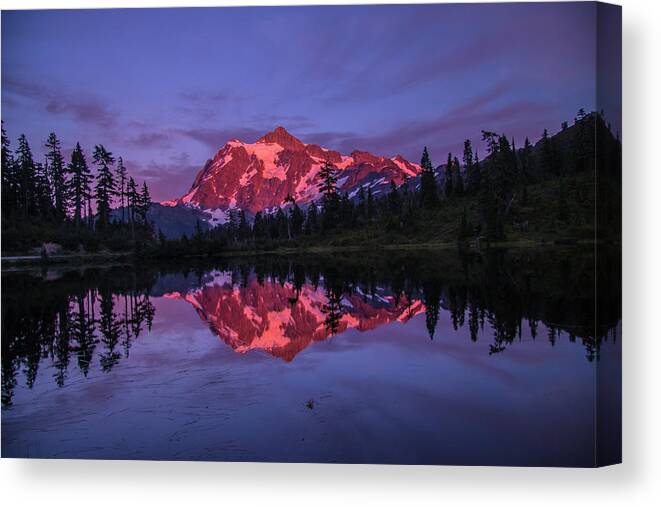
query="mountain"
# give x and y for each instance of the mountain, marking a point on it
(258, 176)
(282, 320)
(172, 221)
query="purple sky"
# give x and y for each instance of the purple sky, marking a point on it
(166, 88)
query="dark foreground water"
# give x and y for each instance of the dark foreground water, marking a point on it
(423, 357)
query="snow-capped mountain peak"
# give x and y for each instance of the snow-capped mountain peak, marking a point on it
(260, 175)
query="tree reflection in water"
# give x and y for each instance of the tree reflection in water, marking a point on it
(92, 316)
(71, 316)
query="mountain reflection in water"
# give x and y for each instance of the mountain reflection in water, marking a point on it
(413, 357)
(282, 305)
(283, 319)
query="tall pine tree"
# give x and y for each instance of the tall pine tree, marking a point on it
(468, 164)
(42, 191)
(144, 201)
(448, 178)
(26, 179)
(79, 183)
(9, 177)
(132, 203)
(329, 198)
(120, 172)
(311, 219)
(428, 189)
(457, 178)
(57, 176)
(105, 184)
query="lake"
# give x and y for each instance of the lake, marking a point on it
(415, 357)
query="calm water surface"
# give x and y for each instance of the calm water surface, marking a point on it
(427, 358)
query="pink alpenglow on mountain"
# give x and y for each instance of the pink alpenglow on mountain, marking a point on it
(283, 321)
(259, 176)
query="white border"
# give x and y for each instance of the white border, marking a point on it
(636, 482)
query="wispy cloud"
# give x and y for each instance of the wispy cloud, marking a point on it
(81, 106)
(214, 138)
(167, 177)
(444, 132)
(207, 106)
(152, 139)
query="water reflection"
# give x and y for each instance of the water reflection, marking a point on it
(75, 315)
(283, 317)
(282, 305)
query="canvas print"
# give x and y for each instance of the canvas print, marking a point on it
(385, 234)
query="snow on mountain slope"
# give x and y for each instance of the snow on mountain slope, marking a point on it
(258, 176)
(283, 320)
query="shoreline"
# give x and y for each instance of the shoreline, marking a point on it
(9, 263)
(19, 262)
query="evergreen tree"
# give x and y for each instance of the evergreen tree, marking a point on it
(583, 143)
(328, 184)
(497, 192)
(425, 161)
(110, 330)
(258, 227)
(394, 200)
(105, 184)
(311, 219)
(477, 173)
(57, 176)
(346, 211)
(329, 198)
(457, 178)
(243, 229)
(471, 180)
(198, 235)
(132, 202)
(120, 172)
(394, 207)
(25, 176)
(432, 299)
(79, 183)
(296, 220)
(281, 224)
(428, 190)
(448, 178)
(9, 178)
(289, 199)
(526, 160)
(515, 167)
(547, 157)
(144, 202)
(361, 210)
(42, 192)
(370, 205)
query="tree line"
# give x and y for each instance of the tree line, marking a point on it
(547, 187)
(476, 200)
(89, 319)
(76, 321)
(74, 198)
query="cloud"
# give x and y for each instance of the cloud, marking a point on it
(441, 66)
(446, 132)
(199, 97)
(84, 109)
(207, 106)
(167, 178)
(290, 122)
(342, 141)
(81, 106)
(152, 139)
(216, 138)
